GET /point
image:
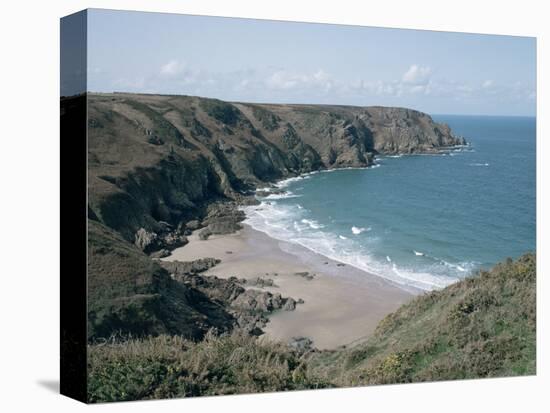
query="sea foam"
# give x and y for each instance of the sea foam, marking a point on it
(288, 223)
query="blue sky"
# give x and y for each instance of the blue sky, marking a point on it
(282, 62)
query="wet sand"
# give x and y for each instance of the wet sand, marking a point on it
(341, 305)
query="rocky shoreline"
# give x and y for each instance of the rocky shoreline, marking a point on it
(161, 168)
(249, 306)
(299, 294)
(243, 299)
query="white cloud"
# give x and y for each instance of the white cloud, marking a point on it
(284, 80)
(417, 84)
(417, 75)
(173, 67)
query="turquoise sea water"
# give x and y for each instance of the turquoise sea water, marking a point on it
(421, 220)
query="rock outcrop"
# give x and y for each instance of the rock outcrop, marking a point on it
(249, 307)
(128, 293)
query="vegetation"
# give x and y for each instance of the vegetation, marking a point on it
(483, 326)
(130, 293)
(221, 111)
(269, 120)
(166, 366)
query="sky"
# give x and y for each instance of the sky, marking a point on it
(283, 62)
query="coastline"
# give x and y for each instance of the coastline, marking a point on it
(341, 304)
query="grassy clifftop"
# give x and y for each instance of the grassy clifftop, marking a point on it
(483, 326)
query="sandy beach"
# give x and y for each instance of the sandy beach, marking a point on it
(342, 305)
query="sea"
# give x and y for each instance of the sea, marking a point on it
(420, 221)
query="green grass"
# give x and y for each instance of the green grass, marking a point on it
(483, 326)
(169, 366)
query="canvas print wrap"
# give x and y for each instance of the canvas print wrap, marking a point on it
(272, 206)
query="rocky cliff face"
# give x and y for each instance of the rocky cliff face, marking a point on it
(157, 163)
(155, 159)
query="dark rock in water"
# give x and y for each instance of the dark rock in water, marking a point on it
(160, 253)
(300, 301)
(229, 252)
(340, 264)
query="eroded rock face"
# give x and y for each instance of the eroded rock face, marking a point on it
(222, 218)
(250, 307)
(193, 225)
(149, 241)
(214, 150)
(177, 268)
(160, 254)
(262, 301)
(145, 240)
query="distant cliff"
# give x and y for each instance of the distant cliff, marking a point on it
(162, 158)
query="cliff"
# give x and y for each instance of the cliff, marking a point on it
(163, 158)
(156, 164)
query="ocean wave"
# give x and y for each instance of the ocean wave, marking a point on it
(312, 223)
(284, 195)
(286, 223)
(286, 182)
(357, 230)
(478, 164)
(418, 253)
